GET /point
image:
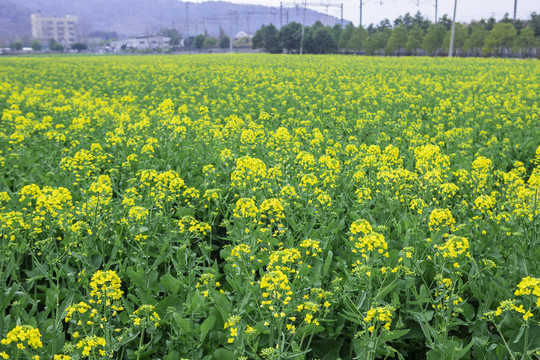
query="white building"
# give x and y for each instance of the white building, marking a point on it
(61, 29)
(242, 34)
(142, 43)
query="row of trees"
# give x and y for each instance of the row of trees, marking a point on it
(409, 35)
(53, 45)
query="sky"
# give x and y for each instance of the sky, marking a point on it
(373, 11)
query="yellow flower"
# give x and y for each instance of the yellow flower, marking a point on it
(89, 343)
(106, 284)
(441, 218)
(23, 334)
(527, 315)
(61, 357)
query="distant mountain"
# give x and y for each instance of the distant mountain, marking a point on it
(14, 22)
(140, 17)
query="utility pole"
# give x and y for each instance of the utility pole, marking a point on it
(231, 35)
(361, 3)
(451, 52)
(187, 21)
(436, 4)
(341, 14)
(280, 15)
(303, 28)
(515, 9)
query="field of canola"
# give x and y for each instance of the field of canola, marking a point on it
(269, 207)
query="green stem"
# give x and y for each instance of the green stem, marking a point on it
(505, 343)
(526, 341)
(311, 337)
(140, 344)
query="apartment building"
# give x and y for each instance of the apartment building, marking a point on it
(61, 29)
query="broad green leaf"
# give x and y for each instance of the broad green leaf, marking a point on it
(206, 326)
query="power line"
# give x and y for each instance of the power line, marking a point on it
(306, 4)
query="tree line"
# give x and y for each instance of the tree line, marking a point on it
(408, 35)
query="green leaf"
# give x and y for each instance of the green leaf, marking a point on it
(519, 335)
(392, 335)
(435, 354)
(224, 354)
(96, 260)
(173, 355)
(423, 319)
(62, 310)
(352, 317)
(184, 211)
(463, 351)
(328, 262)
(168, 302)
(384, 291)
(170, 283)
(359, 349)
(292, 222)
(181, 323)
(206, 326)
(135, 276)
(327, 349)
(423, 315)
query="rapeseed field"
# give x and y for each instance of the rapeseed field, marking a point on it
(269, 207)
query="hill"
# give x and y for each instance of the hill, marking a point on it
(14, 22)
(140, 17)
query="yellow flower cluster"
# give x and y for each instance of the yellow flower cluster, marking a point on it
(193, 226)
(453, 247)
(309, 309)
(23, 336)
(312, 246)
(440, 219)
(485, 203)
(231, 324)
(105, 285)
(85, 164)
(282, 260)
(81, 308)
(379, 315)
(159, 188)
(275, 284)
(418, 205)
(204, 282)
(239, 250)
(90, 344)
(272, 209)
(446, 297)
(249, 171)
(144, 315)
(246, 208)
(529, 285)
(61, 357)
(361, 226)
